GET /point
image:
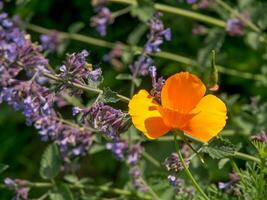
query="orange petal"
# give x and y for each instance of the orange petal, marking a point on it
(145, 116)
(182, 92)
(175, 119)
(209, 120)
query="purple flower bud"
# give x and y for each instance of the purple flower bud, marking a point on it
(102, 20)
(95, 74)
(22, 193)
(62, 68)
(50, 41)
(191, 1)
(9, 182)
(76, 111)
(235, 26)
(104, 118)
(261, 137)
(157, 34)
(172, 180)
(173, 163)
(141, 65)
(118, 148)
(137, 180)
(134, 154)
(157, 84)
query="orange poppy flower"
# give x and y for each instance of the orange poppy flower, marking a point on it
(184, 107)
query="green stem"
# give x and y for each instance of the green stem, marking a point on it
(246, 157)
(84, 87)
(89, 187)
(151, 159)
(165, 55)
(181, 12)
(188, 173)
(121, 12)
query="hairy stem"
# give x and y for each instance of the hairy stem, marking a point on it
(83, 87)
(246, 157)
(165, 55)
(188, 173)
(89, 187)
(179, 11)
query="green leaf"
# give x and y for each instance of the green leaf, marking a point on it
(96, 148)
(109, 96)
(3, 168)
(223, 162)
(71, 178)
(253, 40)
(143, 10)
(50, 162)
(219, 148)
(76, 27)
(124, 77)
(62, 192)
(137, 34)
(137, 81)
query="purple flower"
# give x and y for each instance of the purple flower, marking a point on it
(173, 163)
(191, 1)
(157, 34)
(141, 66)
(72, 140)
(261, 137)
(173, 180)
(157, 84)
(76, 111)
(235, 26)
(50, 41)
(17, 52)
(137, 179)
(118, 147)
(228, 186)
(180, 188)
(77, 70)
(104, 118)
(102, 20)
(95, 75)
(32, 99)
(134, 154)
(18, 185)
(9, 182)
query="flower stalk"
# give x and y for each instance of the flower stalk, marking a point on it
(163, 54)
(83, 87)
(181, 12)
(102, 188)
(188, 173)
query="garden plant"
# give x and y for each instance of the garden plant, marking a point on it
(133, 99)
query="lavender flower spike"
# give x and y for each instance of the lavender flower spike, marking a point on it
(157, 34)
(104, 118)
(102, 20)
